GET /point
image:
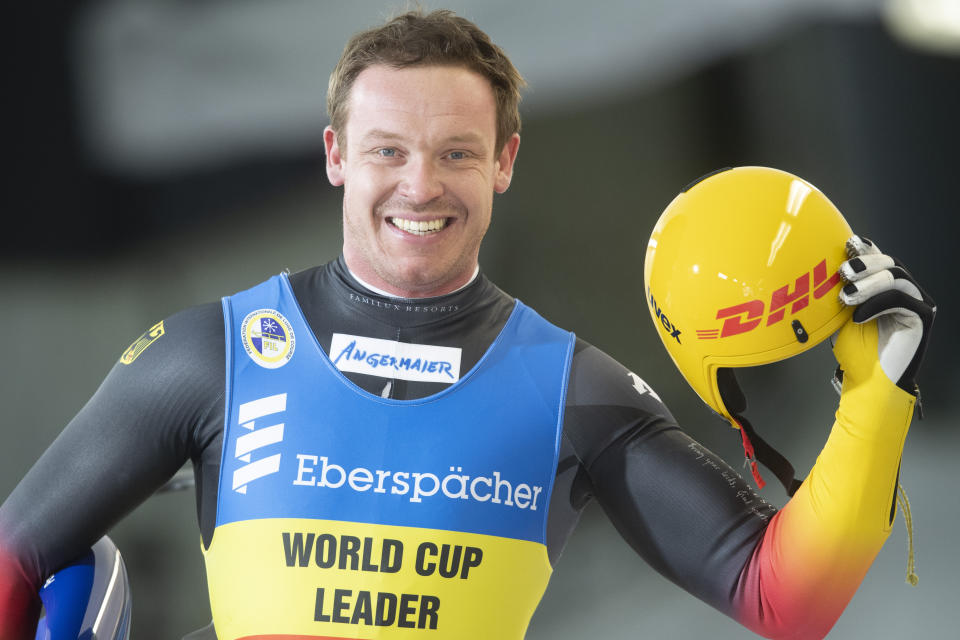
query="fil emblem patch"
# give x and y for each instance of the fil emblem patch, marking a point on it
(268, 338)
(140, 344)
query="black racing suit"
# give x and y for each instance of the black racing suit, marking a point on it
(620, 444)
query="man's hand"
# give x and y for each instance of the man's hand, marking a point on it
(880, 287)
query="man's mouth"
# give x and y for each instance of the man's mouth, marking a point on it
(419, 227)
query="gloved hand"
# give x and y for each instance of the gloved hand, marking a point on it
(880, 287)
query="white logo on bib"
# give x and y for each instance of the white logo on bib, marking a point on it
(259, 436)
(392, 359)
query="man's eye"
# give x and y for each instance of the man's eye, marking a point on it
(457, 155)
(387, 153)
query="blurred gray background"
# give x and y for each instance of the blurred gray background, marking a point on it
(165, 153)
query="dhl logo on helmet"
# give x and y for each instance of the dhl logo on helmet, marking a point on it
(747, 316)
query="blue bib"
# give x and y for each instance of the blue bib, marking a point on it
(367, 517)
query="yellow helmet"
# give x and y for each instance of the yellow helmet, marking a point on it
(741, 270)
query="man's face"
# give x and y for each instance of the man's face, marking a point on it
(419, 170)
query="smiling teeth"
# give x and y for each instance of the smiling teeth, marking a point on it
(419, 227)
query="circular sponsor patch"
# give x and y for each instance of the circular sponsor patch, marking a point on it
(268, 338)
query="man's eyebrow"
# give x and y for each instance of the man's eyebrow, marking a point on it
(466, 138)
(381, 134)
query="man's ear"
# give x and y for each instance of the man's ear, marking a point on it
(335, 159)
(505, 160)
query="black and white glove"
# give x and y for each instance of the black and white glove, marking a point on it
(880, 287)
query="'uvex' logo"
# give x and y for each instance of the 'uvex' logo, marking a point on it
(747, 316)
(668, 326)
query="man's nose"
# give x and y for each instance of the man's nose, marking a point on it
(421, 181)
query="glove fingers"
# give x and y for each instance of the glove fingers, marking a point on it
(894, 278)
(861, 267)
(882, 289)
(860, 246)
(866, 259)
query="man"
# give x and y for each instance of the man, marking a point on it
(399, 448)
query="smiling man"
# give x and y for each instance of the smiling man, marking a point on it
(419, 159)
(399, 449)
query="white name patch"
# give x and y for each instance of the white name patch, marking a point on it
(392, 359)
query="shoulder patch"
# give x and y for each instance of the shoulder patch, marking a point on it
(139, 345)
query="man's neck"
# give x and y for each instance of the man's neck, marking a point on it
(380, 292)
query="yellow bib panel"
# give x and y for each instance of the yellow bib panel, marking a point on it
(292, 578)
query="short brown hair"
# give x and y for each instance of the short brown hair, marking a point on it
(415, 38)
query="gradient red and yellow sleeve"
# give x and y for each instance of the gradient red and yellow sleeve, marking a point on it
(19, 602)
(817, 549)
